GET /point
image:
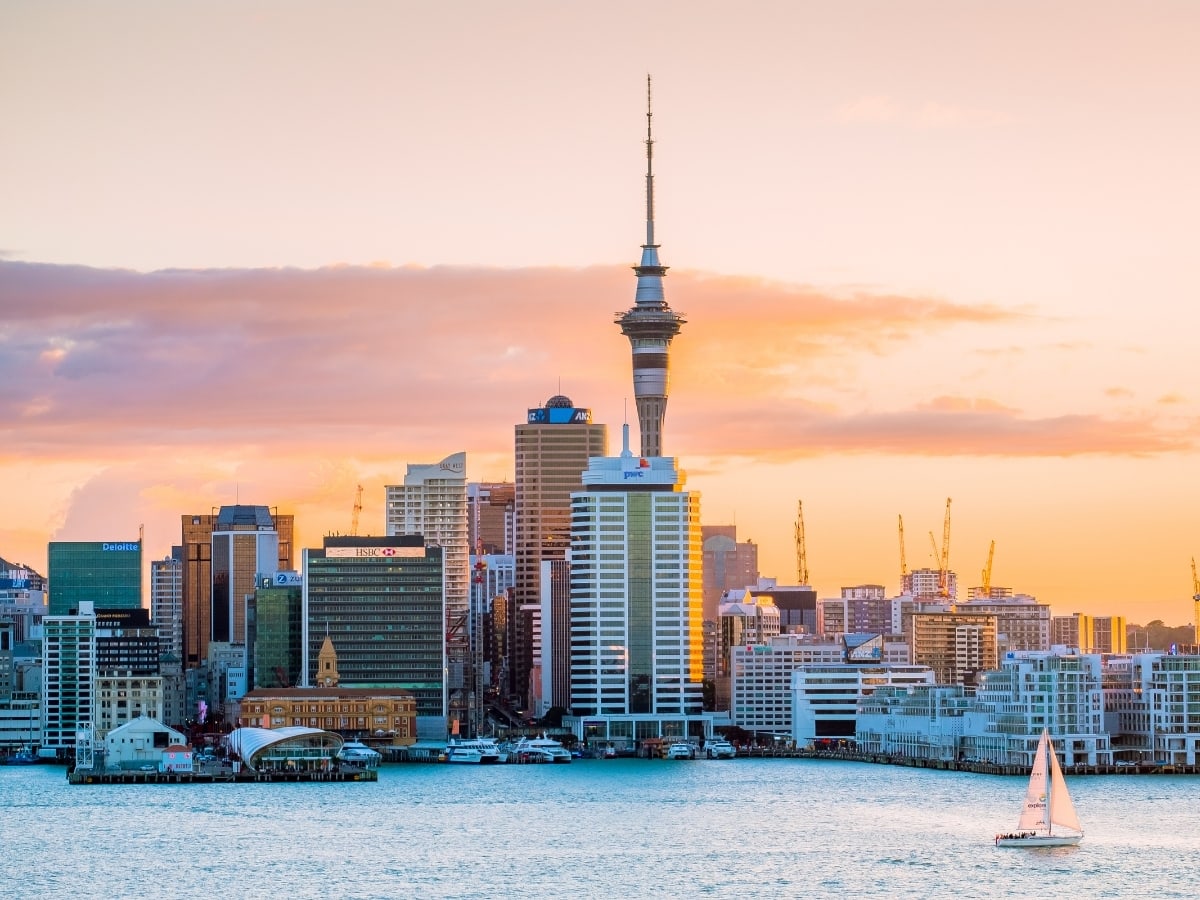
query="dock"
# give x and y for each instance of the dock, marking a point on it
(127, 776)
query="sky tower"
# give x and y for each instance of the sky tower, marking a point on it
(651, 323)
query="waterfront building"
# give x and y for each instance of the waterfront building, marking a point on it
(142, 741)
(915, 721)
(636, 594)
(166, 602)
(1167, 688)
(276, 631)
(69, 654)
(432, 503)
(1056, 689)
(761, 674)
(957, 646)
(825, 698)
(729, 565)
(650, 324)
(381, 601)
(490, 511)
(224, 552)
(107, 574)
(379, 717)
(20, 723)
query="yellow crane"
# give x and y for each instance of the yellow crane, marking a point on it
(987, 573)
(903, 563)
(944, 573)
(801, 554)
(1195, 581)
(357, 510)
(1196, 599)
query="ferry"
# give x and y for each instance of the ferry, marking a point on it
(719, 749)
(359, 754)
(540, 749)
(681, 750)
(476, 751)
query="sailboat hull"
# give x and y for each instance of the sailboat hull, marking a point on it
(1039, 840)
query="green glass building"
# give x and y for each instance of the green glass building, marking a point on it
(108, 573)
(275, 629)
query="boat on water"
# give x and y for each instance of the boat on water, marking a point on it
(719, 749)
(359, 754)
(681, 750)
(1047, 804)
(540, 749)
(23, 757)
(476, 751)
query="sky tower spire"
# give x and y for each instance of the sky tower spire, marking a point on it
(650, 324)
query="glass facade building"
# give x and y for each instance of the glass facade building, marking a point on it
(107, 574)
(380, 600)
(276, 626)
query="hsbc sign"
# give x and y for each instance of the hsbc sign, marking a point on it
(376, 552)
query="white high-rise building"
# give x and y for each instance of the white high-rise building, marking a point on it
(432, 502)
(68, 683)
(636, 590)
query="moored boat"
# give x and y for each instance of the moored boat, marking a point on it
(540, 749)
(359, 754)
(681, 750)
(477, 751)
(719, 749)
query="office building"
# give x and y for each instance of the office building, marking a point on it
(432, 502)
(69, 653)
(380, 601)
(636, 602)
(224, 552)
(106, 574)
(276, 627)
(1090, 634)
(728, 565)
(166, 603)
(490, 512)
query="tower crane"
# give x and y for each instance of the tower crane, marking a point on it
(903, 564)
(944, 574)
(801, 554)
(357, 510)
(987, 573)
(1196, 600)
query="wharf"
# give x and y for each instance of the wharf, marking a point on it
(127, 776)
(981, 768)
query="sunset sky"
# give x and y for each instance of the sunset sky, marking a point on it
(266, 252)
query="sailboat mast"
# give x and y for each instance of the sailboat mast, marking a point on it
(1049, 751)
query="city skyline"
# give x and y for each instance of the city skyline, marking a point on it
(268, 252)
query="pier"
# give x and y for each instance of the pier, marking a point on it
(128, 776)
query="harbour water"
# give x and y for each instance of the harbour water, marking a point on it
(596, 828)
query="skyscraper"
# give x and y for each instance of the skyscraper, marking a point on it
(222, 554)
(650, 324)
(636, 593)
(379, 599)
(552, 450)
(432, 502)
(105, 573)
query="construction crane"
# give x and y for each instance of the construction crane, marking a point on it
(1196, 600)
(903, 564)
(801, 554)
(986, 590)
(357, 510)
(944, 573)
(1195, 581)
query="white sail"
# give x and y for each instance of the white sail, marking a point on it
(1062, 810)
(1035, 809)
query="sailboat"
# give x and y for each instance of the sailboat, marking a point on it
(1047, 804)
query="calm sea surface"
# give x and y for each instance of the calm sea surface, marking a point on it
(595, 828)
